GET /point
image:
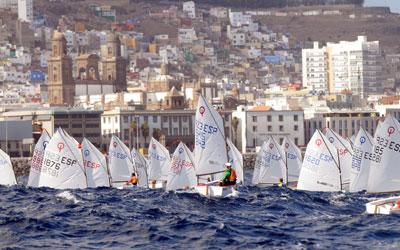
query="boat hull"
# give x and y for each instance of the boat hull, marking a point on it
(158, 184)
(216, 191)
(383, 206)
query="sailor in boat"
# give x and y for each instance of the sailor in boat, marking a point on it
(133, 181)
(229, 178)
(280, 182)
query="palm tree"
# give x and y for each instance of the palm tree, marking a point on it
(235, 124)
(157, 134)
(132, 127)
(145, 131)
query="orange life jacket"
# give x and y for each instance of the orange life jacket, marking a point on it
(133, 180)
(232, 176)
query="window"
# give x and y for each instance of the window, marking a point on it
(116, 119)
(92, 125)
(269, 128)
(175, 119)
(296, 128)
(269, 118)
(281, 118)
(280, 140)
(296, 141)
(165, 118)
(109, 119)
(77, 125)
(281, 128)
(185, 131)
(295, 118)
(104, 120)
(176, 131)
(254, 128)
(155, 119)
(126, 119)
(254, 118)
(184, 119)
(126, 134)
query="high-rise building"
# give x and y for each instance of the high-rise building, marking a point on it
(25, 10)
(345, 66)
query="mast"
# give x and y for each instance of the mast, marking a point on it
(287, 169)
(340, 171)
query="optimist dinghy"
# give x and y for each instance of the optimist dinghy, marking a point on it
(159, 161)
(210, 151)
(384, 206)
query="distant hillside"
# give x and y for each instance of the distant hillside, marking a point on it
(265, 3)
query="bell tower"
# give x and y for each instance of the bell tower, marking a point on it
(113, 64)
(61, 86)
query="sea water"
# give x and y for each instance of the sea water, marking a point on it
(272, 217)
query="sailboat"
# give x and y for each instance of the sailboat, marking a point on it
(384, 174)
(363, 155)
(320, 170)
(120, 163)
(37, 159)
(270, 166)
(7, 176)
(95, 166)
(141, 166)
(181, 173)
(159, 161)
(293, 161)
(62, 166)
(345, 152)
(210, 150)
(236, 159)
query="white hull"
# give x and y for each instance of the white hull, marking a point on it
(216, 191)
(383, 206)
(157, 184)
(128, 187)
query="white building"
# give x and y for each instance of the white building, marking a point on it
(237, 19)
(354, 66)
(25, 10)
(189, 9)
(186, 35)
(257, 124)
(9, 4)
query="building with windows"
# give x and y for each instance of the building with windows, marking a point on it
(345, 122)
(25, 10)
(189, 9)
(257, 124)
(78, 122)
(354, 66)
(172, 125)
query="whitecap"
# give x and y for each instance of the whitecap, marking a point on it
(67, 195)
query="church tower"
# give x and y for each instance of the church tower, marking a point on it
(61, 86)
(113, 64)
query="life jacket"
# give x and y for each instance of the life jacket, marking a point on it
(134, 180)
(232, 176)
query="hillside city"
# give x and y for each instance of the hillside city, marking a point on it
(107, 72)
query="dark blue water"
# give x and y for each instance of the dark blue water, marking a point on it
(150, 219)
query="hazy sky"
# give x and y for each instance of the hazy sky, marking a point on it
(393, 4)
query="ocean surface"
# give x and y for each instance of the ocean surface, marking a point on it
(260, 218)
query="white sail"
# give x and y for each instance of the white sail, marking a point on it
(62, 166)
(37, 159)
(384, 175)
(210, 149)
(320, 169)
(181, 173)
(7, 176)
(362, 157)
(120, 162)
(345, 154)
(271, 164)
(257, 166)
(95, 165)
(236, 159)
(159, 161)
(141, 167)
(292, 159)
